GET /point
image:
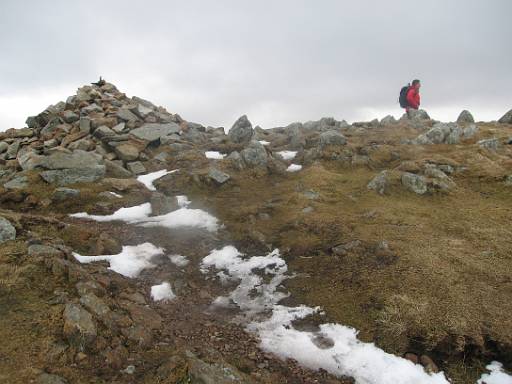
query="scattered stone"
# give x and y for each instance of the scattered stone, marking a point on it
(126, 115)
(470, 131)
(428, 364)
(255, 155)
(388, 120)
(418, 114)
(490, 144)
(506, 118)
(127, 152)
(20, 182)
(218, 176)
(331, 138)
(71, 176)
(379, 183)
(465, 117)
(136, 167)
(241, 131)
(7, 230)
(70, 117)
(85, 125)
(62, 194)
(79, 327)
(414, 183)
(153, 132)
(38, 250)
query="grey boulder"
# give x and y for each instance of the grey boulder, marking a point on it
(465, 117)
(506, 118)
(255, 155)
(218, 176)
(7, 230)
(414, 183)
(241, 131)
(379, 183)
(329, 138)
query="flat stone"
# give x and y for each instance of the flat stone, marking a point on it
(127, 151)
(218, 176)
(136, 167)
(154, 131)
(61, 194)
(71, 176)
(43, 250)
(126, 115)
(414, 183)
(20, 182)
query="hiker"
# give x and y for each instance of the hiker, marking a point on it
(410, 96)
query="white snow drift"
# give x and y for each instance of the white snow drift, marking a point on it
(214, 155)
(140, 215)
(130, 262)
(149, 178)
(294, 168)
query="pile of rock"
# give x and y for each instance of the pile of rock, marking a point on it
(446, 133)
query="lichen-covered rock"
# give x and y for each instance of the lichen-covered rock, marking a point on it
(241, 131)
(490, 144)
(255, 155)
(379, 183)
(218, 176)
(331, 138)
(506, 118)
(414, 183)
(154, 131)
(465, 117)
(7, 230)
(79, 327)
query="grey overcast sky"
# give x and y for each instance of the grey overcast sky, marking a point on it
(277, 61)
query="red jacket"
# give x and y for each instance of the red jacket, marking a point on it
(413, 98)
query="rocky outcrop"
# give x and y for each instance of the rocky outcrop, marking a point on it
(329, 138)
(506, 118)
(242, 131)
(465, 117)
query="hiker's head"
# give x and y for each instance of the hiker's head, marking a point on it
(416, 84)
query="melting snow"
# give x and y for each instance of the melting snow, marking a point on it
(162, 292)
(179, 260)
(130, 262)
(263, 142)
(294, 168)
(334, 347)
(497, 375)
(140, 214)
(287, 155)
(116, 194)
(149, 178)
(214, 155)
(183, 201)
(129, 215)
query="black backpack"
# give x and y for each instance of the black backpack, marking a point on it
(403, 96)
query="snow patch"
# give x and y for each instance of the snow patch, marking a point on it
(287, 155)
(496, 376)
(214, 155)
(130, 262)
(149, 178)
(179, 260)
(129, 215)
(333, 347)
(115, 194)
(294, 168)
(264, 142)
(139, 214)
(162, 292)
(183, 201)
